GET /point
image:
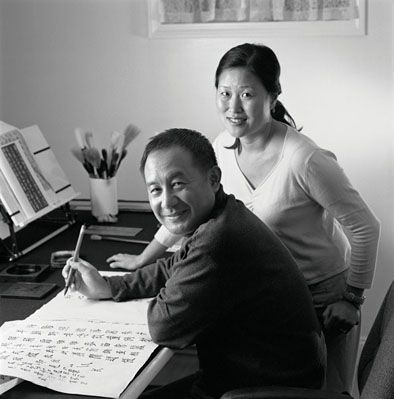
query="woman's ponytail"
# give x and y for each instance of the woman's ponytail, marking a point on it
(280, 113)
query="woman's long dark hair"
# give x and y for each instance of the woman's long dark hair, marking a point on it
(263, 63)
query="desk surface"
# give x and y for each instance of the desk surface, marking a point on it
(96, 252)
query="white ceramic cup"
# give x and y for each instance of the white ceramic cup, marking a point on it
(103, 197)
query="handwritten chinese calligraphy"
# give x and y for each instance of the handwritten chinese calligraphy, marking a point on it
(75, 356)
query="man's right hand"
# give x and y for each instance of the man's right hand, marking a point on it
(87, 280)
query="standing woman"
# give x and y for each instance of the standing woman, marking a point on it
(299, 190)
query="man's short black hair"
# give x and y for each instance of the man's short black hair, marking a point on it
(196, 143)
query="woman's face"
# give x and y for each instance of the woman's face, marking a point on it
(243, 103)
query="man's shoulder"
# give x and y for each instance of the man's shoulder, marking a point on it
(220, 224)
(236, 235)
(228, 221)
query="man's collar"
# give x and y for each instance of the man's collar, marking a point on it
(220, 201)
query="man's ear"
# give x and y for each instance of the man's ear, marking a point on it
(215, 174)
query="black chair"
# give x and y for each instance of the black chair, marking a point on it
(375, 368)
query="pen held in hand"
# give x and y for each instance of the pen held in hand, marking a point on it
(75, 258)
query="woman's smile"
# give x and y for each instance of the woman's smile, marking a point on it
(236, 121)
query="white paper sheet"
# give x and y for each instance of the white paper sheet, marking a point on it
(76, 345)
(75, 356)
(76, 306)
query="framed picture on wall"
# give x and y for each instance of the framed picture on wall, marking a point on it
(238, 18)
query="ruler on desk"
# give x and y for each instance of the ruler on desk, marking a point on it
(113, 231)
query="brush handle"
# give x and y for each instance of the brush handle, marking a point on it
(89, 168)
(71, 272)
(97, 237)
(105, 161)
(102, 170)
(124, 153)
(112, 167)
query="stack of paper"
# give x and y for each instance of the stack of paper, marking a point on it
(79, 346)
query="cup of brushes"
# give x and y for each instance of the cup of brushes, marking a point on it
(102, 166)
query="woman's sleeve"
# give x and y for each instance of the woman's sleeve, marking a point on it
(329, 186)
(166, 238)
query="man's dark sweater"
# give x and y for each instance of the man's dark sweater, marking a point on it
(235, 292)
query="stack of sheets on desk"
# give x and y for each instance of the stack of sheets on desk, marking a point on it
(78, 346)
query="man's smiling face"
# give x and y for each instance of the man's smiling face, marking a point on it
(181, 195)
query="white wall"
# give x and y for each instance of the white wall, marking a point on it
(89, 63)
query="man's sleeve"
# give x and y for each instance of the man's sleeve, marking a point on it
(187, 304)
(145, 282)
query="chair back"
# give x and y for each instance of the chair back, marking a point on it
(376, 366)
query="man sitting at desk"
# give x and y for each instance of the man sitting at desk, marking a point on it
(244, 305)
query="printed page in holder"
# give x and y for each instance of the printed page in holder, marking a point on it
(32, 183)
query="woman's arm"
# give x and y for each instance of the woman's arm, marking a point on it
(162, 241)
(329, 186)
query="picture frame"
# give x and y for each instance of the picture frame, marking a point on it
(157, 30)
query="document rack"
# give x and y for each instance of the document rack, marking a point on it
(50, 224)
(33, 193)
